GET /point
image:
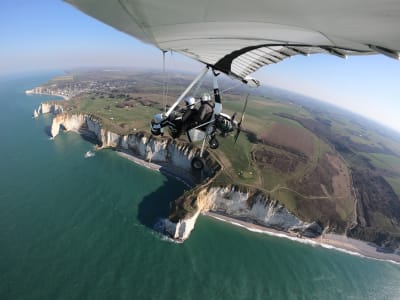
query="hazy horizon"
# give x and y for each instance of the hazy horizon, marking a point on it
(172, 71)
(52, 35)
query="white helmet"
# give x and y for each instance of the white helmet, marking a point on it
(189, 101)
(158, 118)
(206, 97)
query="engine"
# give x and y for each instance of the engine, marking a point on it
(224, 123)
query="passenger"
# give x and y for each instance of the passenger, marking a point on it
(180, 124)
(206, 109)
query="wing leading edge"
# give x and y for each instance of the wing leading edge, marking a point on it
(239, 37)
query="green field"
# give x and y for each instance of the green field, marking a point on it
(120, 120)
(385, 161)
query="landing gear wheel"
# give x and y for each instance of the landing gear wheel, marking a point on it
(213, 143)
(197, 163)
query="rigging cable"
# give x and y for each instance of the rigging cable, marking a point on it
(232, 87)
(164, 83)
(198, 86)
(166, 93)
(181, 84)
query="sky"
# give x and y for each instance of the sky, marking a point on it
(52, 35)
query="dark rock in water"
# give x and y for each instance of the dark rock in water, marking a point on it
(159, 226)
(313, 230)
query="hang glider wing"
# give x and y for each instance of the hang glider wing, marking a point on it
(238, 37)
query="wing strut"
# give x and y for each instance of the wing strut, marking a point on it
(199, 77)
(217, 97)
(164, 83)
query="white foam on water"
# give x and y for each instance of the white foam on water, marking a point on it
(303, 240)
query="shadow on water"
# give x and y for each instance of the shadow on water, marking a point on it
(156, 205)
(47, 130)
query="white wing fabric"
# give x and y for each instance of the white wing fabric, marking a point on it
(238, 37)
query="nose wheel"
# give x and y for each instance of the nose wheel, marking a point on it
(213, 143)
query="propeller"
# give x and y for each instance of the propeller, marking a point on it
(239, 125)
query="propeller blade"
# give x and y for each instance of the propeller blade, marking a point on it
(244, 109)
(239, 125)
(236, 135)
(233, 116)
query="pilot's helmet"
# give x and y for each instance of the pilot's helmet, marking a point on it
(206, 97)
(155, 125)
(158, 118)
(189, 101)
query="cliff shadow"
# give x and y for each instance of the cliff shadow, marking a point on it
(90, 137)
(47, 130)
(157, 205)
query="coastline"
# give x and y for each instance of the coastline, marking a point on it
(32, 92)
(329, 241)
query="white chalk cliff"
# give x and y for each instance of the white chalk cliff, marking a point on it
(148, 148)
(253, 207)
(47, 107)
(181, 230)
(256, 207)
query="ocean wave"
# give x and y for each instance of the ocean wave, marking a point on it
(89, 154)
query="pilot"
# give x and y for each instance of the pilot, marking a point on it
(157, 125)
(186, 120)
(190, 111)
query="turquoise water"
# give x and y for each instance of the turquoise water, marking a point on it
(76, 228)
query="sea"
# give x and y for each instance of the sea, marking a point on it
(76, 227)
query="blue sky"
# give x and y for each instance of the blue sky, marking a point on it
(50, 34)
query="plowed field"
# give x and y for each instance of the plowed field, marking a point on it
(290, 137)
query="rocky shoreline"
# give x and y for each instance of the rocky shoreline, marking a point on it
(329, 240)
(44, 91)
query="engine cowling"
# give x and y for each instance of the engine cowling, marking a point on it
(224, 123)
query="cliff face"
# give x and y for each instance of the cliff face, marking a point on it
(81, 123)
(255, 207)
(148, 148)
(151, 149)
(53, 108)
(252, 207)
(67, 122)
(179, 230)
